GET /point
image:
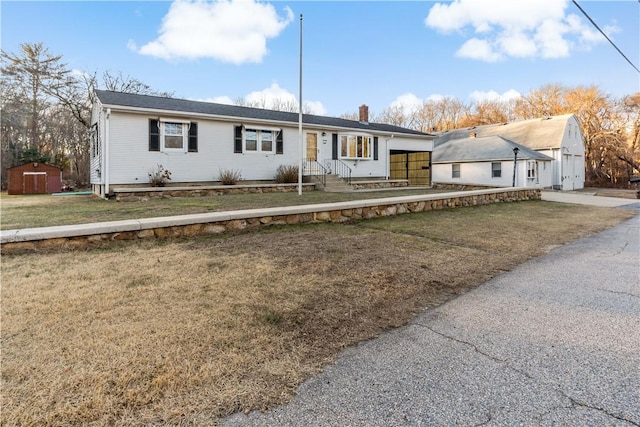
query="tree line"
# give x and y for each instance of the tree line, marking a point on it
(46, 111)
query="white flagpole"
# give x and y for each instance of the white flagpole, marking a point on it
(300, 118)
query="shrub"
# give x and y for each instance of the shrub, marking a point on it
(159, 176)
(229, 176)
(287, 174)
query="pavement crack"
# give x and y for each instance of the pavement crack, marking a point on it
(596, 408)
(620, 292)
(477, 350)
(505, 363)
(619, 251)
(485, 422)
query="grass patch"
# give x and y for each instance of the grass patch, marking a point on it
(45, 210)
(166, 333)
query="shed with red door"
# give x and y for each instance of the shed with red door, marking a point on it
(34, 178)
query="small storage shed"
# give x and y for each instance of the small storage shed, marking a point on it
(34, 178)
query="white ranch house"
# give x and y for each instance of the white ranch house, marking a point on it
(132, 134)
(551, 154)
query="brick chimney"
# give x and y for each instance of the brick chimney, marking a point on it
(364, 113)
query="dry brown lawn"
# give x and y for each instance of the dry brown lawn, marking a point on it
(186, 332)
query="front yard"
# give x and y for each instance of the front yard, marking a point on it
(46, 210)
(168, 332)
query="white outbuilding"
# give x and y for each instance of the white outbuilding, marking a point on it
(551, 154)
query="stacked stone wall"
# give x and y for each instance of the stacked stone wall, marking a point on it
(251, 219)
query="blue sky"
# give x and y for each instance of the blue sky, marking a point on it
(379, 53)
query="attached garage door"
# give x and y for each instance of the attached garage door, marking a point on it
(413, 166)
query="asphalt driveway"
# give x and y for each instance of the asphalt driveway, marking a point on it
(556, 341)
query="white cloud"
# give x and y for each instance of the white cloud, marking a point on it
(521, 29)
(274, 97)
(492, 95)
(315, 107)
(478, 49)
(219, 100)
(266, 98)
(407, 102)
(234, 31)
(435, 97)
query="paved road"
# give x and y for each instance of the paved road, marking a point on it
(556, 341)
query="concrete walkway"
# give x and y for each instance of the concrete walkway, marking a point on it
(556, 341)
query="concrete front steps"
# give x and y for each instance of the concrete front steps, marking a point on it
(335, 184)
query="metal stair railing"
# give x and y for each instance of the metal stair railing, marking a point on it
(315, 168)
(340, 168)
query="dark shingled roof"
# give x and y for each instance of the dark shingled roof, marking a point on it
(233, 111)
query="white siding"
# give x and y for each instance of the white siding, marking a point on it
(130, 161)
(130, 158)
(572, 166)
(479, 173)
(95, 156)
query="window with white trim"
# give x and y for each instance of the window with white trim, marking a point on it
(258, 141)
(455, 170)
(531, 169)
(173, 136)
(496, 170)
(95, 141)
(355, 146)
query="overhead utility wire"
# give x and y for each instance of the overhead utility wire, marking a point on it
(607, 37)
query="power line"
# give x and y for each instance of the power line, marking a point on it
(607, 37)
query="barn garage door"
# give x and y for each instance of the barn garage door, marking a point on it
(34, 182)
(412, 166)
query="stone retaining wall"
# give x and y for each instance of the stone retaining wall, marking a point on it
(460, 187)
(81, 236)
(131, 194)
(372, 185)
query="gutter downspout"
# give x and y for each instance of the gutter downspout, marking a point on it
(106, 153)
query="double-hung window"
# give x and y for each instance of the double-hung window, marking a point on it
(455, 170)
(496, 170)
(531, 169)
(355, 146)
(173, 136)
(168, 136)
(258, 140)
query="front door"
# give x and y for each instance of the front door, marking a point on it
(312, 147)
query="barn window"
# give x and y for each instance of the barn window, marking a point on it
(455, 170)
(496, 170)
(531, 169)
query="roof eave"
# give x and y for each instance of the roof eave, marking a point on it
(226, 118)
